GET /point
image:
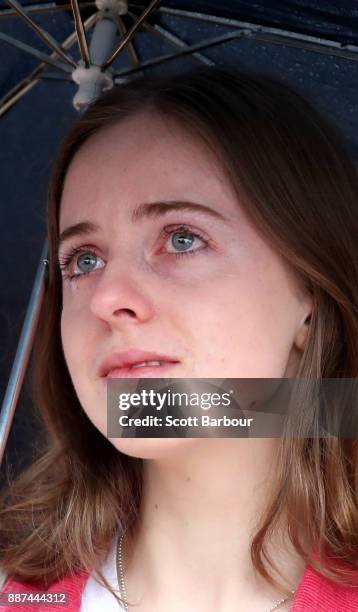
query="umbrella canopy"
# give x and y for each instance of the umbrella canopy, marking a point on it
(311, 45)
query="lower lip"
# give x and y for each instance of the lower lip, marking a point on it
(142, 372)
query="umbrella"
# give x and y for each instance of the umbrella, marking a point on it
(57, 56)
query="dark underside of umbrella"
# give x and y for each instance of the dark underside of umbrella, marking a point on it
(57, 56)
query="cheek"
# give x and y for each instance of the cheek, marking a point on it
(78, 343)
(75, 322)
(74, 337)
(240, 333)
(71, 336)
(66, 335)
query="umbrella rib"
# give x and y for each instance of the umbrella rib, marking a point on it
(128, 36)
(43, 8)
(28, 82)
(316, 47)
(206, 44)
(328, 47)
(81, 34)
(56, 76)
(16, 93)
(173, 39)
(131, 48)
(46, 37)
(34, 52)
(179, 43)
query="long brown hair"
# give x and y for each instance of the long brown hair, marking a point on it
(293, 173)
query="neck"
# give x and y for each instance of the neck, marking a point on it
(198, 515)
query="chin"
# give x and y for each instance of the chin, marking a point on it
(151, 448)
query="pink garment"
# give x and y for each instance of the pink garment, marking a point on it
(314, 594)
(73, 585)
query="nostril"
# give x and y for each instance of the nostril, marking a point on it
(128, 311)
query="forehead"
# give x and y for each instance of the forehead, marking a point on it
(141, 159)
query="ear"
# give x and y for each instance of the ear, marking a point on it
(302, 333)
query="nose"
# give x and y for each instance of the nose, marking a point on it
(121, 298)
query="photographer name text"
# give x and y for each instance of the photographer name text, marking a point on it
(191, 421)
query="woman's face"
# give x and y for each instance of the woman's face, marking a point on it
(196, 283)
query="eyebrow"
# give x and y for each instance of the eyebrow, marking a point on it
(151, 210)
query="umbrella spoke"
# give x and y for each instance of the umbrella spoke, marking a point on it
(12, 96)
(317, 46)
(17, 92)
(81, 34)
(44, 8)
(131, 48)
(164, 10)
(179, 43)
(56, 76)
(206, 44)
(129, 35)
(34, 52)
(174, 40)
(46, 37)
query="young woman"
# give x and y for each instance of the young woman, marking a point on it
(207, 222)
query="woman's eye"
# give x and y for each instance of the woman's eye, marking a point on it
(84, 263)
(182, 240)
(87, 262)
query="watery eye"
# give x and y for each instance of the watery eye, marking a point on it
(182, 240)
(86, 262)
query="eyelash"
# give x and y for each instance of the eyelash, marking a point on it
(65, 261)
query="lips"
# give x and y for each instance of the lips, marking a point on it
(122, 364)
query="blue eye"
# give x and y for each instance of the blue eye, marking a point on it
(182, 239)
(85, 262)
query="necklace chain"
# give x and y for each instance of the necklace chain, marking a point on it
(122, 584)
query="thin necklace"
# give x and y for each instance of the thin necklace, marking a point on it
(122, 584)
